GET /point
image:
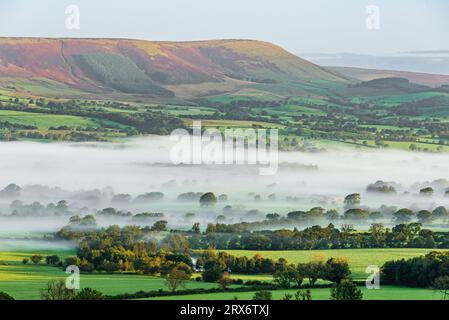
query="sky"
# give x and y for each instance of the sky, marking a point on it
(313, 26)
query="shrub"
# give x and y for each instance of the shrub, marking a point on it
(263, 295)
(346, 290)
(89, 294)
(36, 259)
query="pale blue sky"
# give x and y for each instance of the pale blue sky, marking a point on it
(327, 26)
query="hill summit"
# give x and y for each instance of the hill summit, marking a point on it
(161, 69)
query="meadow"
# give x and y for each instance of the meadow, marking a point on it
(44, 121)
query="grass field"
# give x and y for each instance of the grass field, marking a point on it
(44, 121)
(292, 109)
(358, 259)
(384, 293)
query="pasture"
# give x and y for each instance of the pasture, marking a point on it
(44, 121)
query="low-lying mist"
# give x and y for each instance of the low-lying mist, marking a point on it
(95, 176)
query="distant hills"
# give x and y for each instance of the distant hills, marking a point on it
(155, 69)
(426, 79)
(430, 62)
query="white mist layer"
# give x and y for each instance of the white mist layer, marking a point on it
(143, 165)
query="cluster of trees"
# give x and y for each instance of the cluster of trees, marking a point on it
(333, 270)
(353, 213)
(57, 290)
(217, 265)
(425, 271)
(130, 248)
(20, 209)
(410, 235)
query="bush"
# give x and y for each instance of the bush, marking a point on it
(36, 259)
(53, 260)
(89, 294)
(346, 290)
(57, 290)
(263, 295)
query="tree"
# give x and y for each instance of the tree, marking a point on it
(53, 259)
(213, 271)
(424, 216)
(376, 215)
(208, 199)
(296, 277)
(225, 281)
(332, 215)
(176, 243)
(336, 269)
(352, 200)
(346, 290)
(196, 228)
(25, 260)
(440, 213)
(57, 290)
(403, 215)
(287, 296)
(303, 295)
(272, 216)
(442, 284)
(36, 258)
(312, 270)
(356, 214)
(378, 234)
(89, 294)
(426, 191)
(296, 215)
(62, 206)
(263, 295)
(160, 225)
(176, 278)
(10, 191)
(282, 279)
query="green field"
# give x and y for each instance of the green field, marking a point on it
(358, 259)
(44, 121)
(384, 293)
(293, 110)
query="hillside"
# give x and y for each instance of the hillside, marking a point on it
(154, 69)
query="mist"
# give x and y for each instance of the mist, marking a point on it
(89, 176)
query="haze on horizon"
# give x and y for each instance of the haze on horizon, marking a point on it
(323, 26)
